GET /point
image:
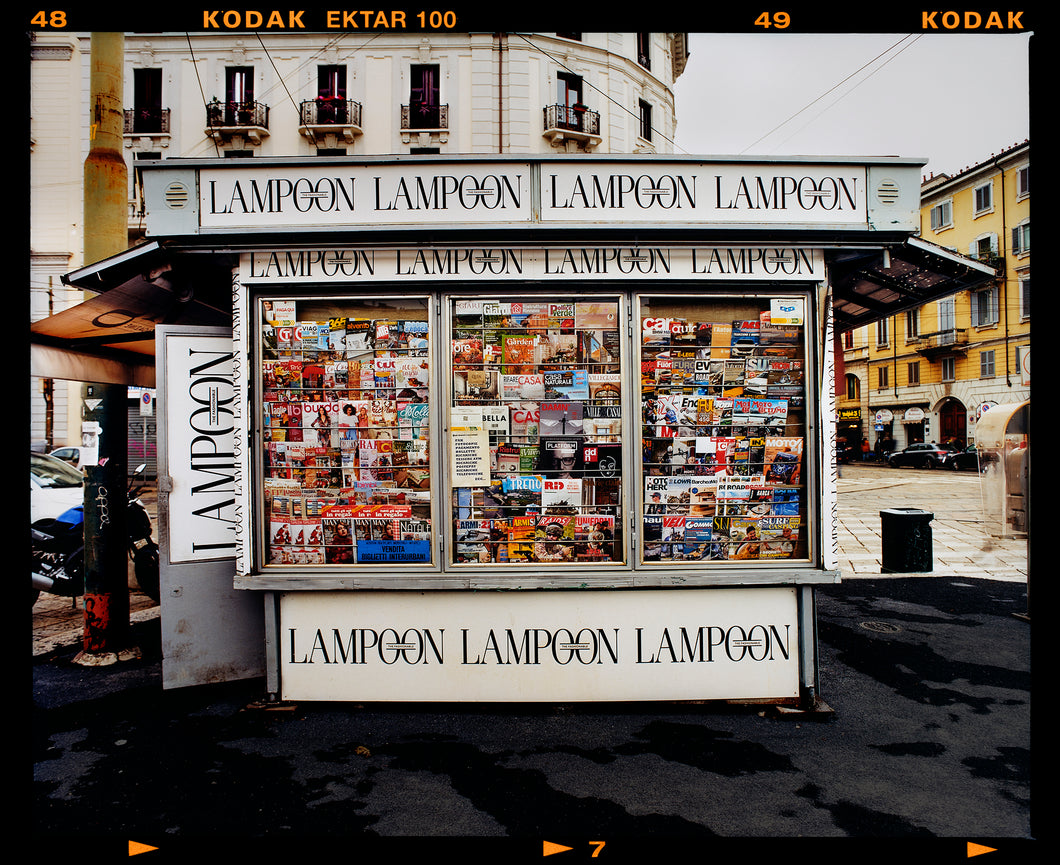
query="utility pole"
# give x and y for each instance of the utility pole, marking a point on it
(104, 411)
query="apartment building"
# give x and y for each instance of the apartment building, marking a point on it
(927, 374)
(241, 95)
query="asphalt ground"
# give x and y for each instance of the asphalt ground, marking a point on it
(923, 751)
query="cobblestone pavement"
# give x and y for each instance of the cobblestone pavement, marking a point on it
(967, 539)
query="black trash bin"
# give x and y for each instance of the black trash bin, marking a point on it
(906, 540)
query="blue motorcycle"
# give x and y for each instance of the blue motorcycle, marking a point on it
(58, 549)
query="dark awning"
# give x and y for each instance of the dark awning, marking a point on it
(870, 284)
(109, 338)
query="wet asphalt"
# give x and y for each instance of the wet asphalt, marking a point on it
(924, 748)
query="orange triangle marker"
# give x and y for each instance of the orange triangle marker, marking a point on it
(978, 849)
(136, 848)
(549, 848)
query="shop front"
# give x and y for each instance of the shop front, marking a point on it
(520, 430)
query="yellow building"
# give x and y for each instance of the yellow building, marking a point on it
(928, 373)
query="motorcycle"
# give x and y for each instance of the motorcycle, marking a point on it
(58, 548)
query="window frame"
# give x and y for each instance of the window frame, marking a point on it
(983, 198)
(440, 573)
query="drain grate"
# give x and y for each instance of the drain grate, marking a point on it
(880, 627)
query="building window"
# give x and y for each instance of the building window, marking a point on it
(645, 120)
(984, 308)
(853, 387)
(986, 364)
(912, 324)
(942, 216)
(1021, 238)
(984, 198)
(569, 107)
(643, 50)
(882, 332)
(949, 369)
(1025, 297)
(147, 101)
(914, 372)
(424, 101)
(1023, 181)
(984, 248)
(331, 94)
(883, 377)
(239, 84)
(848, 339)
(947, 318)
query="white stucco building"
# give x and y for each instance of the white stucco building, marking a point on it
(236, 95)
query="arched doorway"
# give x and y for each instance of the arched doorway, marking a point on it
(953, 422)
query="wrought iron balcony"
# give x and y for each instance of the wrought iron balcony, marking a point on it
(330, 116)
(942, 342)
(225, 119)
(424, 117)
(146, 121)
(572, 121)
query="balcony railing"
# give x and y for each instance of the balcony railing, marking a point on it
(146, 121)
(329, 116)
(423, 117)
(237, 114)
(572, 118)
(941, 341)
(572, 123)
(330, 112)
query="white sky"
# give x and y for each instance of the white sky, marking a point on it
(954, 99)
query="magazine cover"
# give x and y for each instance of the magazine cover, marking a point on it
(521, 538)
(566, 384)
(592, 314)
(594, 536)
(525, 421)
(561, 316)
(476, 385)
(515, 388)
(698, 537)
(602, 422)
(561, 456)
(783, 460)
(561, 495)
(467, 353)
(602, 459)
(561, 419)
(598, 346)
(518, 354)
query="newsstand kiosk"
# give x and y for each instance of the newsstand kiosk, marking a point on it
(513, 429)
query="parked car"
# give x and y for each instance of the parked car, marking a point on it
(970, 459)
(54, 487)
(71, 455)
(920, 456)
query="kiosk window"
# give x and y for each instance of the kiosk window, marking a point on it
(345, 450)
(535, 431)
(723, 430)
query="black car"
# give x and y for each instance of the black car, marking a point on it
(970, 459)
(920, 456)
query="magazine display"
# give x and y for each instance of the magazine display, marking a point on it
(551, 369)
(346, 440)
(723, 432)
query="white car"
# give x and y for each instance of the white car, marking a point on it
(54, 487)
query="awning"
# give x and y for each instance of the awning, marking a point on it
(869, 284)
(109, 338)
